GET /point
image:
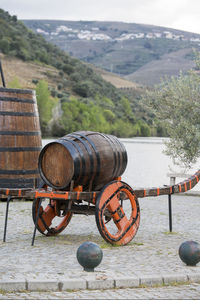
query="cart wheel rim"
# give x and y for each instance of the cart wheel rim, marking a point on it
(46, 216)
(109, 199)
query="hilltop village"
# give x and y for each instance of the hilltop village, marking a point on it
(95, 34)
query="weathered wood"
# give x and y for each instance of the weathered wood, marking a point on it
(43, 216)
(109, 200)
(85, 157)
(20, 139)
(180, 187)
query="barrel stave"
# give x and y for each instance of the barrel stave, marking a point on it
(20, 138)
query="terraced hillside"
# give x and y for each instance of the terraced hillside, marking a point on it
(64, 84)
(122, 48)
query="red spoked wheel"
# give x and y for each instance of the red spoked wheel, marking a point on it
(117, 219)
(48, 216)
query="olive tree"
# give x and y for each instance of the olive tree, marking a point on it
(176, 103)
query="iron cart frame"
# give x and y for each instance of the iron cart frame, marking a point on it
(106, 205)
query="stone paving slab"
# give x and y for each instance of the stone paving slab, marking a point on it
(150, 259)
(96, 284)
(191, 291)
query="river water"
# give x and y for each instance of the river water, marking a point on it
(147, 165)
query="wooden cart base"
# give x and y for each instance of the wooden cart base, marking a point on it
(115, 207)
(108, 206)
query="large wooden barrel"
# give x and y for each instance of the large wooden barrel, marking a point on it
(20, 139)
(90, 159)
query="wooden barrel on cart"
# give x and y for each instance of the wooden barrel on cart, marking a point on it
(90, 159)
(20, 139)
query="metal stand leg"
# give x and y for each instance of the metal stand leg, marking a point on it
(170, 212)
(6, 219)
(36, 221)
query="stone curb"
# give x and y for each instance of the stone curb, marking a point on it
(90, 283)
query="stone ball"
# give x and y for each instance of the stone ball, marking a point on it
(89, 256)
(189, 253)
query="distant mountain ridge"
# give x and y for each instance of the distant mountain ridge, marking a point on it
(121, 48)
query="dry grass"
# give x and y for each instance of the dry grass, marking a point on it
(26, 71)
(114, 79)
(117, 81)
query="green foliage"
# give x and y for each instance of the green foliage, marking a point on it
(68, 69)
(106, 103)
(83, 88)
(14, 83)
(75, 76)
(122, 128)
(144, 128)
(176, 103)
(4, 45)
(80, 116)
(109, 115)
(197, 59)
(89, 116)
(21, 42)
(97, 105)
(45, 105)
(125, 107)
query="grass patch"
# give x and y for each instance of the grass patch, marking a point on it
(169, 233)
(69, 239)
(105, 245)
(4, 292)
(157, 285)
(136, 244)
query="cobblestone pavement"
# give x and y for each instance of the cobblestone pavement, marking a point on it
(153, 253)
(176, 292)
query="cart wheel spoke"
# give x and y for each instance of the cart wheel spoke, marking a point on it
(125, 219)
(48, 216)
(118, 214)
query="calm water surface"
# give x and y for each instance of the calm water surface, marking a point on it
(147, 165)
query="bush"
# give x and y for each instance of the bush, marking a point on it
(68, 69)
(35, 81)
(4, 45)
(82, 88)
(45, 105)
(57, 129)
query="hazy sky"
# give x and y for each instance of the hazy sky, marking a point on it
(178, 14)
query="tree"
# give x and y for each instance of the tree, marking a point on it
(45, 104)
(4, 45)
(176, 102)
(197, 59)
